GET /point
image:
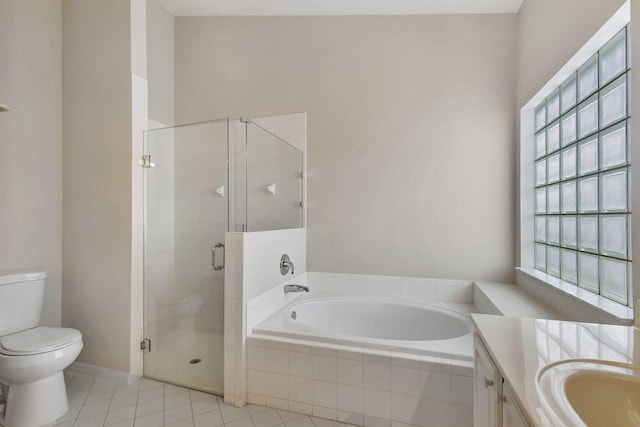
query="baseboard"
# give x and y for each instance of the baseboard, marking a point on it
(100, 372)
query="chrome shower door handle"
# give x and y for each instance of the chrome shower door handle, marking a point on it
(214, 251)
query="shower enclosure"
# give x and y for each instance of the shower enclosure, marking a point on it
(202, 180)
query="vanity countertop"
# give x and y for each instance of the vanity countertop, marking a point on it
(521, 346)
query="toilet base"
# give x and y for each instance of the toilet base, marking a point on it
(36, 403)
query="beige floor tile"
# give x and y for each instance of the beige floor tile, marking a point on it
(242, 422)
(205, 405)
(288, 416)
(115, 416)
(151, 420)
(267, 418)
(208, 419)
(231, 413)
(177, 413)
(150, 407)
(151, 403)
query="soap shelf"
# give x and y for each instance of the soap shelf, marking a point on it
(4, 107)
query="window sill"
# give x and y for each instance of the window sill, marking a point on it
(612, 310)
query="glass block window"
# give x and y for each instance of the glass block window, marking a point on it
(582, 176)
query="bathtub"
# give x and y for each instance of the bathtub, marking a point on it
(395, 325)
(364, 360)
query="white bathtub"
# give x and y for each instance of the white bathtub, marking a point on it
(431, 329)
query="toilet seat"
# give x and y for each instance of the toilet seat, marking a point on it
(38, 340)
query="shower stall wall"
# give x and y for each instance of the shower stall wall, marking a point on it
(202, 180)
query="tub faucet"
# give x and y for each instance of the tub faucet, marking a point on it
(295, 288)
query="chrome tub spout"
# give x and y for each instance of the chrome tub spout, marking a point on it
(295, 288)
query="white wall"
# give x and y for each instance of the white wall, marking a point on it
(96, 43)
(550, 32)
(411, 142)
(31, 143)
(160, 62)
(97, 202)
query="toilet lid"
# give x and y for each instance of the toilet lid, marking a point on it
(38, 340)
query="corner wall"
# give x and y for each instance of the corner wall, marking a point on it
(97, 202)
(31, 143)
(550, 32)
(160, 63)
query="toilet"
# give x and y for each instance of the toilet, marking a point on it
(32, 357)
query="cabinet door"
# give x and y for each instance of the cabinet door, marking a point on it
(511, 415)
(485, 393)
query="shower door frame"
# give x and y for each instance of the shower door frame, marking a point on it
(147, 345)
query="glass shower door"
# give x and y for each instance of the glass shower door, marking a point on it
(186, 217)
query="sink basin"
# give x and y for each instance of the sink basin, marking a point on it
(592, 393)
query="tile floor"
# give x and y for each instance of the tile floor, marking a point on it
(148, 403)
(174, 347)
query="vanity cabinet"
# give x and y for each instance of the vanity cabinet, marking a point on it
(511, 414)
(493, 402)
(486, 380)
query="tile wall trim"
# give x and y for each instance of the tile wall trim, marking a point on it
(234, 331)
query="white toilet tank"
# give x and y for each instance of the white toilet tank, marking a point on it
(21, 298)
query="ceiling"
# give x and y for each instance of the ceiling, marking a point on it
(336, 7)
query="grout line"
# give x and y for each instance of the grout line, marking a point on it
(164, 392)
(137, 403)
(191, 404)
(84, 400)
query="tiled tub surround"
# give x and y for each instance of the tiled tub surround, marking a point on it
(252, 269)
(357, 385)
(354, 384)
